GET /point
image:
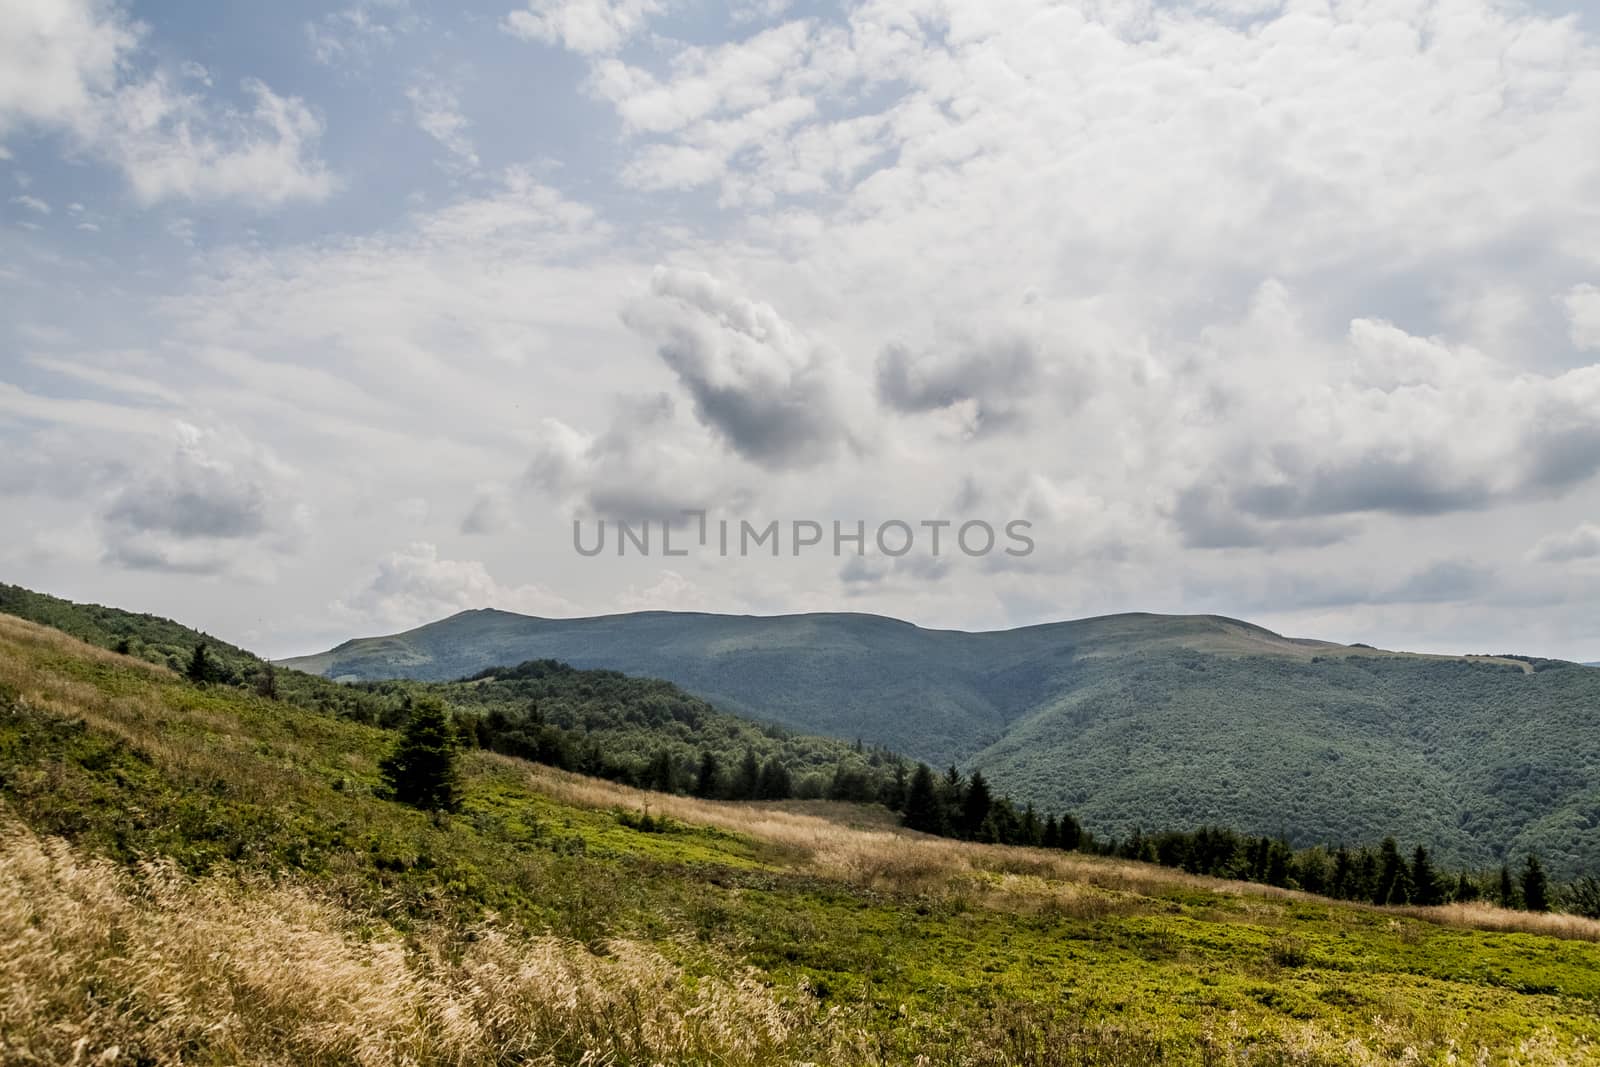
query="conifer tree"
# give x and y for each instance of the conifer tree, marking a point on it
(1425, 889)
(1507, 896)
(706, 784)
(199, 670)
(975, 805)
(1535, 887)
(747, 782)
(1393, 878)
(774, 783)
(923, 809)
(421, 771)
(267, 684)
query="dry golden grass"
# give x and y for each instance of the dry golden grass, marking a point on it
(105, 967)
(1479, 916)
(1028, 879)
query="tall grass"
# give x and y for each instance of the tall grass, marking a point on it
(107, 966)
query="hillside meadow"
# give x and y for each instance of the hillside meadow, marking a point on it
(198, 875)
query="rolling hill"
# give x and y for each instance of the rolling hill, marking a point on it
(1127, 720)
(192, 873)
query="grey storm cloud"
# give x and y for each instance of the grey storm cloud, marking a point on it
(192, 511)
(1367, 483)
(1206, 519)
(208, 506)
(756, 381)
(997, 377)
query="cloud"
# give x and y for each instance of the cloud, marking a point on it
(1382, 422)
(32, 203)
(490, 513)
(351, 35)
(770, 392)
(1582, 542)
(216, 501)
(1583, 312)
(414, 585)
(647, 464)
(995, 379)
(587, 26)
(437, 112)
(70, 67)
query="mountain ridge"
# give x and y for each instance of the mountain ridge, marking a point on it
(1128, 720)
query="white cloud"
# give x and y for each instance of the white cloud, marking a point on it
(589, 26)
(437, 112)
(353, 34)
(68, 66)
(1582, 542)
(32, 203)
(1583, 312)
(415, 585)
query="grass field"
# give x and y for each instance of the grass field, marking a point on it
(200, 876)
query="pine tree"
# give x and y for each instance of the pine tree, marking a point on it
(975, 805)
(660, 775)
(199, 670)
(1507, 896)
(421, 771)
(267, 684)
(1071, 833)
(774, 783)
(1466, 889)
(1051, 838)
(923, 810)
(1535, 887)
(706, 784)
(747, 782)
(1425, 889)
(1393, 878)
(1029, 833)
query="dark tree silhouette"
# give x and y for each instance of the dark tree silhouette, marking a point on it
(1535, 887)
(199, 670)
(421, 771)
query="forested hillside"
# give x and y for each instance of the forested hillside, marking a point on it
(1129, 721)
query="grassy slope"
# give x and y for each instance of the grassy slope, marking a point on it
(1159, 721)
(632, 718)
(961, 953)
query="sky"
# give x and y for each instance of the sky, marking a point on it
(320, 321)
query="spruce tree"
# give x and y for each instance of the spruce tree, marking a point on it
(421, 771)
(267, 683)
(1535, 887)
(1425, 889)
(747, 782)
(923, 810)
(199, 670)
(706, 784)
(1393, 878)
(975, 805)
(1507, 896)
(1466, 889)
(1051, 837)
(774, 783)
